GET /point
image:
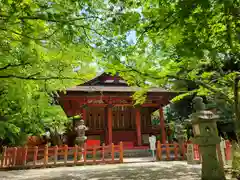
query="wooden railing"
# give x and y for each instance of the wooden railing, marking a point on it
(170, 151)
(35, 157)
(173, 152)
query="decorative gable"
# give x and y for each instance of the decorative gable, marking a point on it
(105, 79)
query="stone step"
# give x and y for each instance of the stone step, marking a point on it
(140, 153)
(126, 154)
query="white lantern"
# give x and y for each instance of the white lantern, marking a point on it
(47, 134)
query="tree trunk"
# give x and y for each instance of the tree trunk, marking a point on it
(235, 160)
(55, 138)
(235, 145)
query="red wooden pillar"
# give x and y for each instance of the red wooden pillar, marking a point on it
(106, 125)
(138, 127)
(162, 124)
(109, 123)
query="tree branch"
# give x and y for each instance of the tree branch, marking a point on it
(199, 82)
(24, 35)
(31, 77)
(59, 20)
(93, 30)
(13, 65)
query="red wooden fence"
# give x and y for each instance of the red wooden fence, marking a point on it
(170, 149)
(196, 152)
(173, 152)
(227, 151)
(35, 157)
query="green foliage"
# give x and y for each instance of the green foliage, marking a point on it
(44, 48)
(180, 42)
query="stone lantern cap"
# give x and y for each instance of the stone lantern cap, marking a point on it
(203, 116)
(207, 115)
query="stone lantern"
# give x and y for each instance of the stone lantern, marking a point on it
(180, 135)
(206, 136)
(80, 129)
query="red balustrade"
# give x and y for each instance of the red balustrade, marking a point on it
(34, 157)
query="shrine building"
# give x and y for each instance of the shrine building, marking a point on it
(108, 110)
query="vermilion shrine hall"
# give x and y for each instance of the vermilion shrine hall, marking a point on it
(107, 108)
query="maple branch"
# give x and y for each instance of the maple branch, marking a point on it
(31, 77)
(59, 20)
(13, 65)
(24, 35)
(199, 82)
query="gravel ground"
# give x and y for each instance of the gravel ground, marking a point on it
(172, 170)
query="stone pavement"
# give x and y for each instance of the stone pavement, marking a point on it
(141, 170)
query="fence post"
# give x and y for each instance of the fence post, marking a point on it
(167, 151)
(121, 152)
(176, 148)
(197, 156)
(14, 155)
(55, 154)
(159, 152)
(45, 161)
(75, 155)
(112, 152)
(85, 153)
(11, 156)
(7, 159)
(94, 153)
(35, 155)
(103, 152)
(3, 156)
(25, 155)
(65, 154)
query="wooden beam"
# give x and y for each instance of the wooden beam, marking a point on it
(97, 105)
(100, 97)
(81, 100)
(123, 105)
(104, 97)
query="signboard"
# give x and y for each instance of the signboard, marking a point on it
(95, 101)
(190, 154)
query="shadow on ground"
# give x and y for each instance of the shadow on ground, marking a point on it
(146, 171)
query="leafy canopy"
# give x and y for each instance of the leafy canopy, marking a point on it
(48, 46)
(194, 41)
(44, 47)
